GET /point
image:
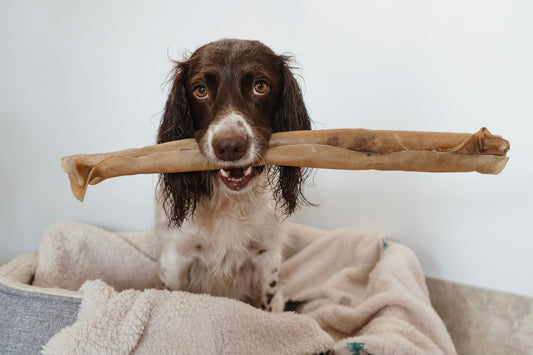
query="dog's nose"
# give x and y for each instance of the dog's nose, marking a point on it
(230, 147)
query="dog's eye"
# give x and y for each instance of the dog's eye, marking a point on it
(200, 92)
(260, 87)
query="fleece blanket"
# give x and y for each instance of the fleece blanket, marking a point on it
(350, 293)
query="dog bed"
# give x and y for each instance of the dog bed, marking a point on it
(88, 290)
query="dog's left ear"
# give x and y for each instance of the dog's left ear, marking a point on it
(291, 115)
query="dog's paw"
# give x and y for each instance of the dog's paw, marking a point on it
(272, 301)
(164, 281)
(278, 304)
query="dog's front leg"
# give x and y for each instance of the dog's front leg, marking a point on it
(174, 269)
(266, 280)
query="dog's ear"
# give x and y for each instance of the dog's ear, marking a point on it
(179, 192)
(177, 122)
(291, 115)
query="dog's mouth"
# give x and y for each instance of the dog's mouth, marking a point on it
(238, 178)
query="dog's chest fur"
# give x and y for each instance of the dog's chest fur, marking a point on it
(225, 242)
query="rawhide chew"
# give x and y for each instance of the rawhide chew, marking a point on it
(348, 149)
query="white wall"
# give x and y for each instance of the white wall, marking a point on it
(86, 77)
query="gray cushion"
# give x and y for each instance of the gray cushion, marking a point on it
(29, 320)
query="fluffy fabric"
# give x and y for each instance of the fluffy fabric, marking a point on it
(355, 294)
(72, 253)
(157, 322)
(367, 293)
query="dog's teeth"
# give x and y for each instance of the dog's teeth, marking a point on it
(248, 171)
(224, 173)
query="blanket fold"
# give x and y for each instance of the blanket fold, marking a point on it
(157, 321)
(366, 291)
(353, 293)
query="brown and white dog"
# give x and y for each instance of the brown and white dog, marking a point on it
(226, 233)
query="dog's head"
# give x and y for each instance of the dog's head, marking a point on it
(231, 95)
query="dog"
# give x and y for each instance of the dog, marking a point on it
(225, 228)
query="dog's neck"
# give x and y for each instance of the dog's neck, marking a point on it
(228, 221)
(227, 204)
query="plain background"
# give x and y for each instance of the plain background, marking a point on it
(89, 76)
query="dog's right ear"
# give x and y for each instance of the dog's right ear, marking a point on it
(180, 192)
(177, 121)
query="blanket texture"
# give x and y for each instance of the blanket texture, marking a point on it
(353, 293)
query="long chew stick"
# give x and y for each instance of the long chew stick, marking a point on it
(348, 149)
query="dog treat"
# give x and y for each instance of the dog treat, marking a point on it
(348, 149)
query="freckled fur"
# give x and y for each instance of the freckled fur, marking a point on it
(226, 228)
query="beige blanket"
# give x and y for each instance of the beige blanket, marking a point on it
(355, 293)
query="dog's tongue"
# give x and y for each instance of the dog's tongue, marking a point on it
(236, 173)
(236, 179)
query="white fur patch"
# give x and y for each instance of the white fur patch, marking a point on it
(231, 121)
(216, 251)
